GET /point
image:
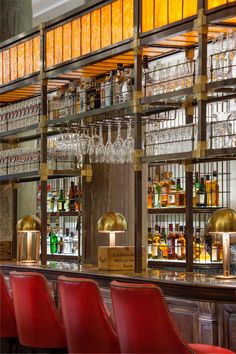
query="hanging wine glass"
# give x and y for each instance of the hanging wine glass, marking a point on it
(100, 149)
(119, 147)
(129, 144)
(109, 147)
(92, 149)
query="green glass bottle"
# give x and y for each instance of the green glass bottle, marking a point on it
(61, 201)
(53, 242)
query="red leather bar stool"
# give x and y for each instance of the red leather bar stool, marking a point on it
(145, 325)
(8, 331)
(88, 323)
(39, 324)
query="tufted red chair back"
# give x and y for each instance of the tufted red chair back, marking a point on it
(88, 323)
(39, 324)
(143, 320)
(7, 315)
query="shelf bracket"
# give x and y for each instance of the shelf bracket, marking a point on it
(44, 172)
(200, 150)
(137, 154)
(42, 126)
(137, 107)
(87, 172)
(200, 85)
(136, 44)
(200, 24)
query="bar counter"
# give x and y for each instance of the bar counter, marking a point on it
(203, 307)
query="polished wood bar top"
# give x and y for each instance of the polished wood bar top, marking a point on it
(192, 286)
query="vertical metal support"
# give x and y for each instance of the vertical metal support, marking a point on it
(43, 157)
(138, 203)
(200, 88)
(189, 217)
(14, 221)
(86, 212)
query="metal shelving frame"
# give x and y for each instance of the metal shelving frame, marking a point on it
(139, 106)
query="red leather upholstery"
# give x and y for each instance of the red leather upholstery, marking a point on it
(144, 322)
(7, 315)
(39, 324)
(89, 326)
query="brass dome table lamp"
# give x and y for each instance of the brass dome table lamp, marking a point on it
(28, 239)
(112, 223)
(223, 222)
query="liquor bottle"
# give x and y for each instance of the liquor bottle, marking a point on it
(150, 239)
(54, 202)
(164, 183)
(53, 241)
(208, 191)
(163, 244)
(180, 194)
(126, 86)
(67, 244)
(72, 197)
(172, 192)
(156, 192)
(49, 199)
(83, 96)
(61, 245)
(181, 245)
(196, 186)
(197, 246)
(201, 195)
(77, 206)
(117, 84)
(214, 190)
(216, 250)
(155, 243)
(93, 96)
(108, 89)
(171, 243)
(61, 201)
(150, 192)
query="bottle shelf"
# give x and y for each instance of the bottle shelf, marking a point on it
(180, 210)
(35, 175)
(65, 213)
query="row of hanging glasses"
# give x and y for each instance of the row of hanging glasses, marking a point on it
(19, 160)
(170, 135)
(223, 59)
(20, 114)
(67, 150)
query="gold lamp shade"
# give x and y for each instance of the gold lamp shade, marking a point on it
(222, 221)
(112, 222)
(28, 223)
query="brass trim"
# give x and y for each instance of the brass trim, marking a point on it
(44, 172)
(87, 172)
(138, 167)
(138, 153)
(200, 150)
(201, 96)
(188, 167)
(200, 24)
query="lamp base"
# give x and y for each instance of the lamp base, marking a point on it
(225, 276)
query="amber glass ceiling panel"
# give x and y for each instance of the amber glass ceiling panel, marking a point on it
(211, 4)
(19, 60)
(92, 31)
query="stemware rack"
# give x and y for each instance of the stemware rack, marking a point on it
(56, 59)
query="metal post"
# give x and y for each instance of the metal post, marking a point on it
(14, 221)
(189, 217)
(43, 157)
(200, 87)
(137, 136)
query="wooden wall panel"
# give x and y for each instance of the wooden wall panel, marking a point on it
(28, 57)
(96, 30)
(21, 60)
(36, 46)
(85, 37)
(117, 25)
(161, 13)
(50, 49)
(13, 61)
(58, 45)
(128, 14)
(147, 15)
(106, 25)
(66, 42)
(76, 40)
(6, 66)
